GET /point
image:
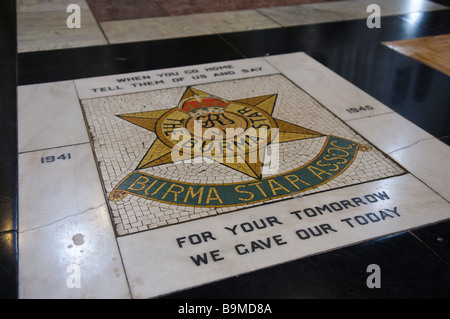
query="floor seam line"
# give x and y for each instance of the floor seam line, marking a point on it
(51, 148)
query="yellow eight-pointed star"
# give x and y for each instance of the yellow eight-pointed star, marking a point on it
(234, 133)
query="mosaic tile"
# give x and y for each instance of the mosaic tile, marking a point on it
(133, 168)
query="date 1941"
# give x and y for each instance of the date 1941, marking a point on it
(51, 159)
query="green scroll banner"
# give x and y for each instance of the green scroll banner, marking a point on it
(336, 156)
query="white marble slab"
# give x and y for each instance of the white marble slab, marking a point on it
(157, 265)
(305, 14)
(67, 247)
(389, 132)
(428, 159)
(49, 115)
(53, 186)
(172, 77)
(73, 258)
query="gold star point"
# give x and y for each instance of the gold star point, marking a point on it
(217, 114)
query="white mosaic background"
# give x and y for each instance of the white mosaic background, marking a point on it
(119, 147)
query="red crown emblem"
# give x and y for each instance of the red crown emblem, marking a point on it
(197, 102)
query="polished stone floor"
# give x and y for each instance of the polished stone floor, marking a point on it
(55, 222)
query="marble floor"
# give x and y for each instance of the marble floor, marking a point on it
(121, 21)
(347, 195)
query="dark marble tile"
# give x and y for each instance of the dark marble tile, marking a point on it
(8, 41)
(445, 139)
(57, 65)
(323, 36)
(414, 90)
(8, 152)
(8, 147)
(408, 269)
(438, 21)
(8, 266)
(8, 197)
(437, 237)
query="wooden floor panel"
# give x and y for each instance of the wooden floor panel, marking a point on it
(433, 51)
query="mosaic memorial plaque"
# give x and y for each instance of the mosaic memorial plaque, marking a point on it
(214, 170)
(148, 188)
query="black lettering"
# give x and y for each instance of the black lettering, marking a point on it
(361, 220)
(278, 240)
(346, 203)
(247, 227)
(382, 195)
(326, 228)
(233, 230)
(273, 220)
(394, 211)
(310, 212)
(347, 220)
(335, 206)
(198, 260)
(302, 234)
(324, 208)
(203, 258)
(296, 213)
(383, 215)
(371, 198)
(358, 201)
(373, 217)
